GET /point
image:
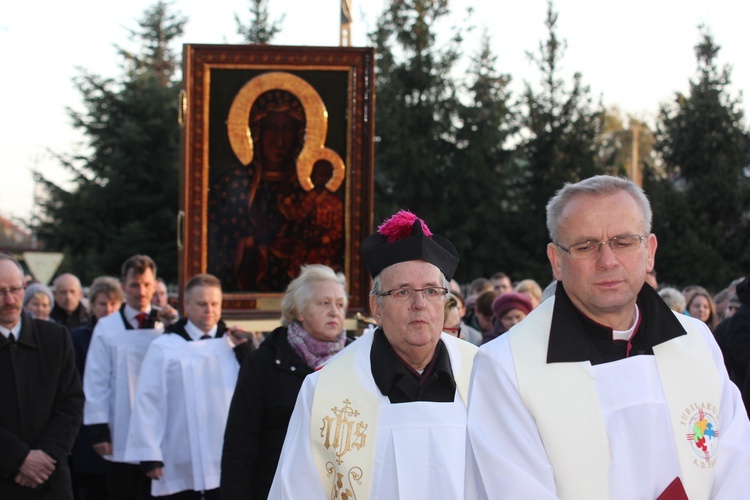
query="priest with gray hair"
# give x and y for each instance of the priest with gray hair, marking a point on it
(602, 391)
(389, 412)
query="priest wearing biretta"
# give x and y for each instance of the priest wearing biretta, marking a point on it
(387, 417)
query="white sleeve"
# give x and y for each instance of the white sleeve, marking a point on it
(149, 418)
(97, 379)
(505, 455)
(296, 475)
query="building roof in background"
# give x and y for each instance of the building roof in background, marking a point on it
(13, 238)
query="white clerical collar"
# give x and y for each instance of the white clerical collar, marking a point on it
(196, 333)
(16, 330)
(131, 313)
(627, 334)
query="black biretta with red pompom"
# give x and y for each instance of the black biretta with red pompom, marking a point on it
(406, 237)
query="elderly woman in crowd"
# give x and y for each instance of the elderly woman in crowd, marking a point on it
(507, 310)
(700, 305)
(312, 318)
(38, 300)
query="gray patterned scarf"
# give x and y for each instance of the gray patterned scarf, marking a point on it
(315, 353)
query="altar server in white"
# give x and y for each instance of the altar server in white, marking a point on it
(113, 364)
(185, 388)
(602, 391)
(386, 418)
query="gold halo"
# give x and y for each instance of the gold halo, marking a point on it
(316, 125)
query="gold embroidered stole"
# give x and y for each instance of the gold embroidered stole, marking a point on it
(687, 377)
(345, 411)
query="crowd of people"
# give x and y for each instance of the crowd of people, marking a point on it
(604, 384)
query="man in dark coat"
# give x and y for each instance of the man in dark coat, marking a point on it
(737, 353)
(42, 399)
(68, 310)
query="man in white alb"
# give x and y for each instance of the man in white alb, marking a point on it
(602, 391)
(113, 364)
(184, 391)
(388, 413)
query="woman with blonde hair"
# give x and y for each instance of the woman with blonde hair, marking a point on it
(311, 333)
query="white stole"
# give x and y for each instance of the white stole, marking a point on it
(549, 389)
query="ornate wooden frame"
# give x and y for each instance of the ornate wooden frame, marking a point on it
(216, 75)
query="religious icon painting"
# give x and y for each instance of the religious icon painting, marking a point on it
(277, 168)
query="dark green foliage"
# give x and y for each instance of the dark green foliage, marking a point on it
(453, 146)
(416, 108)
(482, 187)
(124, 197)
(701, 204)
(446, 144)
(442, 158)
(562, 131)
(260, 29)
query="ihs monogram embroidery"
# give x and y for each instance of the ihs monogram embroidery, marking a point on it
(343, 434)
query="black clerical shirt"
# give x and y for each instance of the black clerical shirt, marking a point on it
(576, 337)
(402, 384)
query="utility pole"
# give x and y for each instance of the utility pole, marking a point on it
(635, 165)
(345, 39)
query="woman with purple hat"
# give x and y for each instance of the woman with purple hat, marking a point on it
(507, 310)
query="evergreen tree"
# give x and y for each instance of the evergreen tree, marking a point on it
(124, 197)
(442, 139)
(562, 129)
(260, 29)
(703, 204)
(482, 190)
(416, 108)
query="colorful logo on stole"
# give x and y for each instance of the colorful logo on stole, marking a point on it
(703, 438)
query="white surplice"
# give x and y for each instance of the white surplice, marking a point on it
(507, 459)
(419, 446)
(113, 365)
(181, 411)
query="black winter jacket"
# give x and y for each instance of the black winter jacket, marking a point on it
(738, 343)
(41, 405)
(267, 387)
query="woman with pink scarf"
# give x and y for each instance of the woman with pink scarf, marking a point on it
(312, 331)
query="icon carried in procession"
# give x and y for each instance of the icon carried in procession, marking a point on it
(277, 168)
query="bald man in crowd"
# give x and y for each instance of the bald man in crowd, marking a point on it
(41, 401)
(68, 310)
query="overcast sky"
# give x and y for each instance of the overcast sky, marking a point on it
(636, 55)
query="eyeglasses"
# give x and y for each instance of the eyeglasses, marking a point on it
(14, 290)
(625, 243)
(431, 293)
(454, 330)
